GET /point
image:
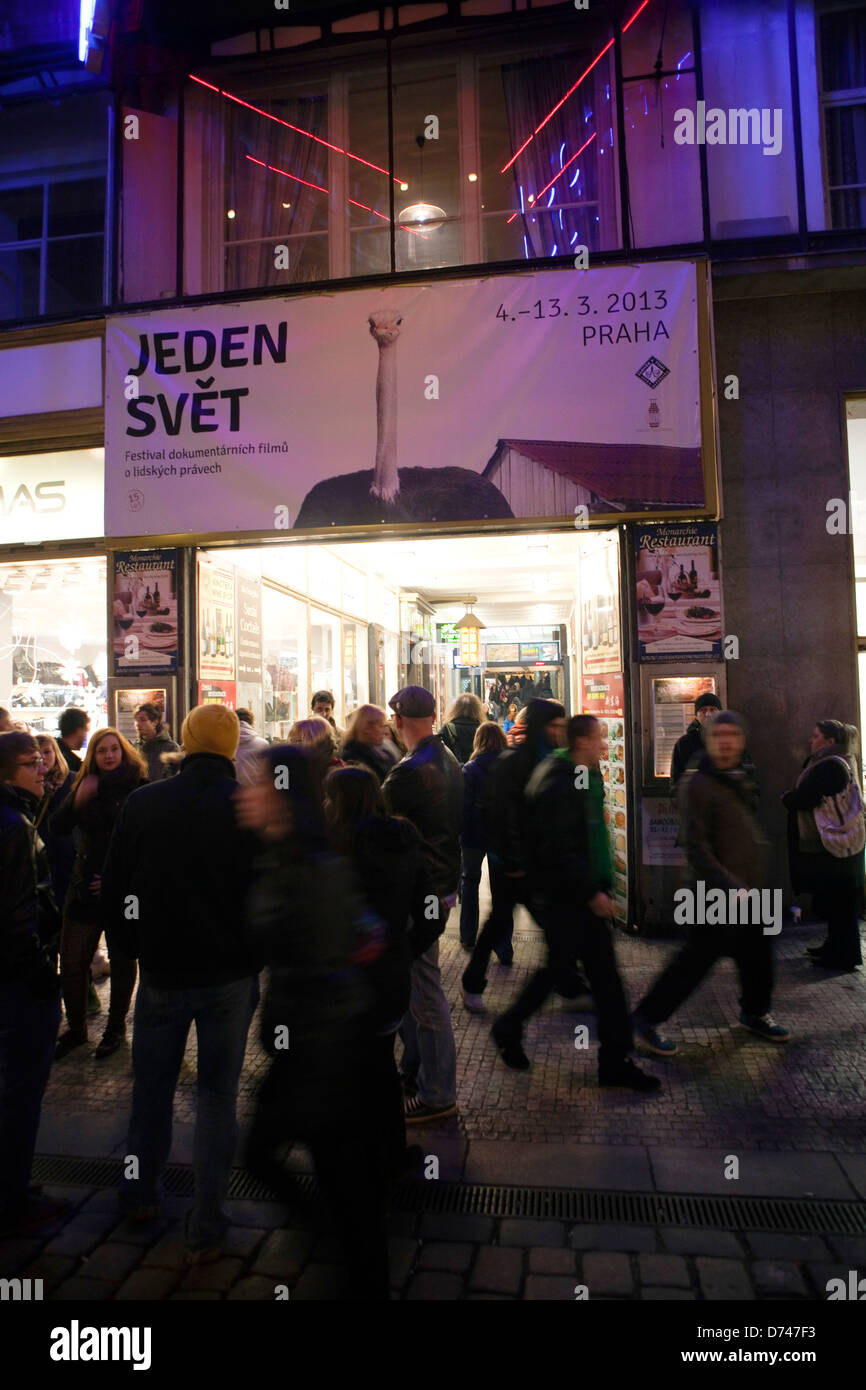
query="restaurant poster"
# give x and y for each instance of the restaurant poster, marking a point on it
(217, 693)
(678, 597)
(673, 709)
(216, 623)
(603, 695)
(660, 826)
(144, 611)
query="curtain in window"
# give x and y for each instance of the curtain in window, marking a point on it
(257, 193)
(532, 88)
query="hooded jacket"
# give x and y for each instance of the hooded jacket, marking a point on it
(178, 850)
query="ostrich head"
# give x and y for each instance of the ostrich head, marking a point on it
(385, 326)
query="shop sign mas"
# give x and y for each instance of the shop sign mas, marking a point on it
(549, 394)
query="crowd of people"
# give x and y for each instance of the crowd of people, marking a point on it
(331, 863)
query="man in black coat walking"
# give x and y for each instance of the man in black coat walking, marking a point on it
(174, 888)
(427, 788)
(29, 984)
(570, 873)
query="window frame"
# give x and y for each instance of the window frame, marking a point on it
(46, 182)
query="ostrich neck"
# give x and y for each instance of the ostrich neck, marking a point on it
(386, 481)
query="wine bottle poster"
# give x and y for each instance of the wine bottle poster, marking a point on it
(678, 598)
(601, 651)
(216, 623)
(144, 612)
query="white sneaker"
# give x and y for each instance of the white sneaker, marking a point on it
(474, 1002)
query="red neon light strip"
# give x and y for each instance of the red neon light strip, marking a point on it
(310, 136)
(564, 99)
(556, 175)
(286, 175)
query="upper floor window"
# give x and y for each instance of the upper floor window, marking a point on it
(842, 46)
(52, 208)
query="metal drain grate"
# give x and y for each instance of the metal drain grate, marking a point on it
(800, 1216)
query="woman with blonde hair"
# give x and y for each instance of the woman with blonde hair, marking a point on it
(367, 743)
(111, 770)
(464, 717)
(319, 736)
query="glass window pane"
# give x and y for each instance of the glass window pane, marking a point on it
(326, 658)
(356, 667)
(284, 662)
(753, 188)
(569, 166)
(846, 164)
(370, 251)
(19, 284)
(21, 213)
(843, 49)
(73, 275)
(429, 166)
(667, 27)
(368, 188)
(76, 207)
(664, 178)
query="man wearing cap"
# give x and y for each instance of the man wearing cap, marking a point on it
(427, 788)
(692, 741)
(727, 850)
(174, 888)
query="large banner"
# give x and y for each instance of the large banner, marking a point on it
(549, 394)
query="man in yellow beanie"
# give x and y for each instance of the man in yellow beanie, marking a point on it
(174, 888)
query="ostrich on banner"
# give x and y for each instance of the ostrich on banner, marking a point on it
(387, 492)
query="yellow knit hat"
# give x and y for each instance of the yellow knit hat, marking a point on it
(211, 729)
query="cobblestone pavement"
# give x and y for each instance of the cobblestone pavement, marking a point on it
(724, 1088)
(98, 1256)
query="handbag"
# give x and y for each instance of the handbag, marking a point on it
(840, 822)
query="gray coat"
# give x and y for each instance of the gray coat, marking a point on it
(719, 828)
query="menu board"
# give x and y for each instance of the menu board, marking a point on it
(144, 604)
(499, 653)
(673, 709)
(612, 766)
(216, 623)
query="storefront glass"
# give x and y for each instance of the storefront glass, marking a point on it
(326, 658)
(52, 640)
(284, 662)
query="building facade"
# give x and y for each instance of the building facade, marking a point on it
(158, 168)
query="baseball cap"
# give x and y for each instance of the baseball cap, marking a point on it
(413, 702)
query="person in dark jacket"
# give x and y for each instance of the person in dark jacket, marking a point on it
(367, 744)
(388, 858)
(836, 884)
(154, 740)
(320, 942)
(692, 741)
(59, 848)
(488, 743)
(111, 770)
(568, 853)
(726, 849)
(29, 984)
(427, 788)
(73, 726)
(464, 717)
(174, 890)
(544, 727)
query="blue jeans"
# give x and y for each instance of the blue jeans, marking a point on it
(471, 861)
(429, 1054)
(28, 1032)
(222, 1016)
